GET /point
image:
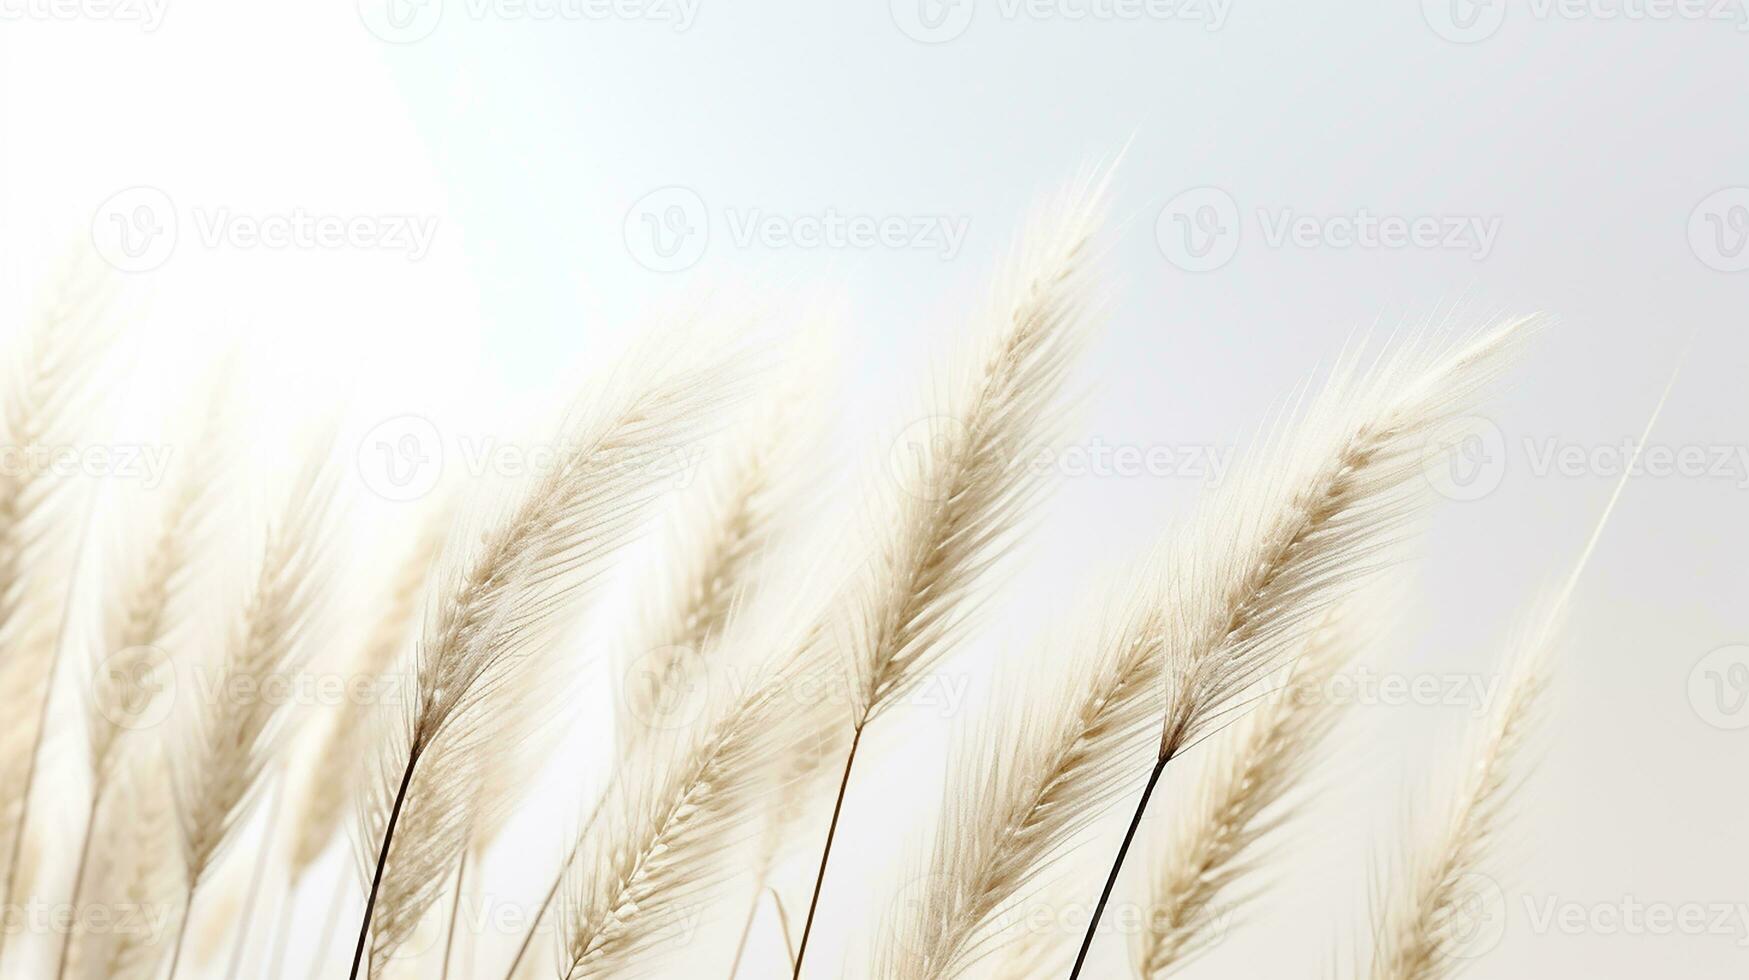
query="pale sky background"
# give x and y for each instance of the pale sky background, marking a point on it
(1596, 167)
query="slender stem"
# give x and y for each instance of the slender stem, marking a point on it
(255, 877)
(558, 880)
(376, 878)
(282, 931)
(328, 924)
(79, 879)
(747, 927)
(181, 933)
(789, 946)
(42, 712)
(1122, 852)
(455, 907)
(826, 852)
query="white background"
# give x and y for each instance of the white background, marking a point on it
(1596, 140)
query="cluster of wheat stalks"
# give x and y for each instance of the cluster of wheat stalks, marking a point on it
(1225, 632)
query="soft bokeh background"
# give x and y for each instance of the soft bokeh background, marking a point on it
(581, 175)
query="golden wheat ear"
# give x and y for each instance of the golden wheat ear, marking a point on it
(1220, 606)
(1427, 909)
(502, 594)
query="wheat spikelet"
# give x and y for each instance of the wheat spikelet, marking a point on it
(1253, 770)
(1424, 915)
(1287, 537)
(964, 488)
(49, 392)
(132, 871)
(235, 733)
(499, 604)
(672, 832)
(326, 795)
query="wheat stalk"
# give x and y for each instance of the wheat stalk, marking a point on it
(1300, 534)
(52, 383)
(236, 733)
(326, 797)
(1419, 928)
(498, 607)
(966, 488)
(130, 871)
(1255, 768)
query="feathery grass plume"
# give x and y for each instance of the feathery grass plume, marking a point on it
(50, 387)
(1425, 915)
(133, 867)
(1237, 799)
(672, 834)
(715, 543)
(237, 731)
(1294, 532)
(1301, 533)
(327, 795)
(965, 486)
(502, 597)
(150, 605)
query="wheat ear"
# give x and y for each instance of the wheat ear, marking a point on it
(49, 391)
(671, 830)
(499, 602)
(1238, 800)
(326, 798)
(966, 487)
(129, 870)
(1298, 535)
(713, 545)
(1422, 919)
(234, 734)
(128, 662)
